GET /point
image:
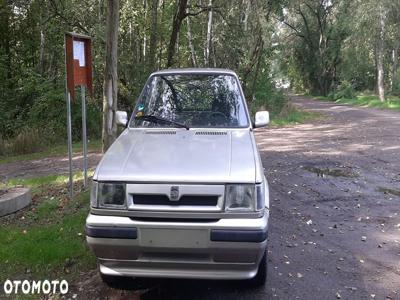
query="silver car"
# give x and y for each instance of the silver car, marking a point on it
(182, 193)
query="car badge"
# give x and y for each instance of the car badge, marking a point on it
(174, 195)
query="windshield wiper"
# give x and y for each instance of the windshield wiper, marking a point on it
(155, 119)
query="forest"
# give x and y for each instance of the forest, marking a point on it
(329, 48)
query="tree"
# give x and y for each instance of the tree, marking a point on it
(179, 16)
(209, 33)
(193, 56)
(320, 30)
(153, 35)
(380, 53)
(110, 87)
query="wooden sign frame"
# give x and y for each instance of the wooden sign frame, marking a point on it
(78, 66)
(78, 75)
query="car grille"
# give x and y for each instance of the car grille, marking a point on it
(189, 200)
(156, 197)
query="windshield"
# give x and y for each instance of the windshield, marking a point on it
(195, 100)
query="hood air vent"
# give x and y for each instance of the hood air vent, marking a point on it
(211, 133)
(165, 132)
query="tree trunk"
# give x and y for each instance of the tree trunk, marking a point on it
(110, 88)
(380, 49)
(176, 26)
(5, 36)
(209, 32)
(41, 55)
(246, 15)
(190, 41)
(162, 39)
(153, 35)
(100, 10)
(395, 57)
(144, 30)
(260, 57)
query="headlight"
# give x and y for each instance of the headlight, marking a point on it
(240, 197)
(111, 195)
(93, 194)
(261, 196)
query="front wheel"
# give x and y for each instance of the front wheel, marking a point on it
(111, 281)
(261, 276)
(117, 282)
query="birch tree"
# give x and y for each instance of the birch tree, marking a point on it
(209, 32)
(380, 52)
(190, 40)
(110, 86)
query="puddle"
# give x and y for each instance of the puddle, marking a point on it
(389, 191)
(334, 172)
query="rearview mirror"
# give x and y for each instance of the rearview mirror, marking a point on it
(121, 117)
(261, 119)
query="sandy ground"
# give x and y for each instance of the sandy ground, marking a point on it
(334, 226)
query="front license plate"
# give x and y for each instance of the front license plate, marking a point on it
(174, 238)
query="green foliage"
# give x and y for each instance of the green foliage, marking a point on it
(48, 247)
(268, 98)
(50, 238)
(396, 88)
(319, 30)
(32, 82)
(28, 140)
(368, 100)
(48, 151)
(291, 115)
(344, 90)
(265, 95)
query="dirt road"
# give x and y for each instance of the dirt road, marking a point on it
(342, 173)
(335, 224)
(46, 166)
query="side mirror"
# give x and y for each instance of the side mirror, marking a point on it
(121, 117)
(261, 119)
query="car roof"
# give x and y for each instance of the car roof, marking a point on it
(194, 71)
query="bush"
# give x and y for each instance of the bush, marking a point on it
(396, 88)
(267, 97)
(273, 101)
(344, 91)
(36, 108)
(29, 140)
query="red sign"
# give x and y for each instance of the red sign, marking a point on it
(78, 60)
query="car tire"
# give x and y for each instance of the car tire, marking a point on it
(111, 281)
(261, 276)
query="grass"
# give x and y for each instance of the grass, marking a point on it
(36, 183)
(292, 115)
(368, 100)
(57, 150)
(46, 240)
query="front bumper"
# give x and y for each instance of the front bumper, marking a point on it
(209, 249)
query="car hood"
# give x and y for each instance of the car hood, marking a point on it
(202, 156)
